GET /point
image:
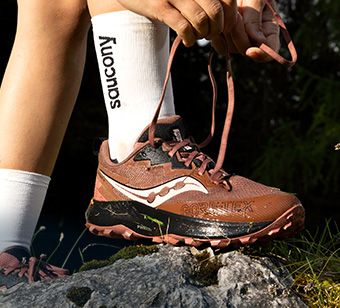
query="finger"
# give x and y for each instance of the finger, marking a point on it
(230, 13)
(260, 56)
(239, 36)
(194, 14)
(252, 16)
(257, 55)
(271, 30)
(176, 21)
(214, 10)
(167, 14)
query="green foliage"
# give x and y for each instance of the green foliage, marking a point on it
(314, 262)
(318, 293)
(300, 153)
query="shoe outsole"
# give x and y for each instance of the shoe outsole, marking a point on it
(287, 225)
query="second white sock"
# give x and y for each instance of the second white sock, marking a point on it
(22, 196)
(132, 54)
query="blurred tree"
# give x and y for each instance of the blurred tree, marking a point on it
(299, 154)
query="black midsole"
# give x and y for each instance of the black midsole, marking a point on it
(148, 221)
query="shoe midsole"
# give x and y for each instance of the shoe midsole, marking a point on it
(154, 222)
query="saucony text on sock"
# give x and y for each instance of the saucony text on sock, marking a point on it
(110, 72)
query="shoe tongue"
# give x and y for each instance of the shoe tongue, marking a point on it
(168, 129)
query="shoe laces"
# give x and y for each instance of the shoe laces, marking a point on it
(33, 268)
(217, 174)
(188, 153)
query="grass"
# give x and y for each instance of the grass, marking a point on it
(313, 261)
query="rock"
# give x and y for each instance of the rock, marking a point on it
(172, 277)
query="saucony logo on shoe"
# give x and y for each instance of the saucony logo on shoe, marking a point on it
(157, 195)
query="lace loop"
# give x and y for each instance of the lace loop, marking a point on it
(273, 54)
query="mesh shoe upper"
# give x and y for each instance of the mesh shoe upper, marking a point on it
(162, 178)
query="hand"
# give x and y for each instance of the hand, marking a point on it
(255, 25)
(191, 19)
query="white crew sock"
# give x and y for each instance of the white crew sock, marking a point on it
(132, 54)
(21, 199)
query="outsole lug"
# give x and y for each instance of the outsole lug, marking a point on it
(188, 241)
(157, 240)
(127, 234)
(252, 240)
(287, 226)
(171, 240)
(245, 240)
(196, 243)
(107, 232)
(224, 243)
(93, 230)
(290, 216)
(215, 243)
(274, 231)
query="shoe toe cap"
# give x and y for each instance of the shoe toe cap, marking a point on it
(272, 206)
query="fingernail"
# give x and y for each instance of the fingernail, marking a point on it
(251, 53)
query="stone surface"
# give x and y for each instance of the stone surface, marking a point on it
(167, 278)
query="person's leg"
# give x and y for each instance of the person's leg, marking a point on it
(132, 54)
(41, 82)
(37, 96)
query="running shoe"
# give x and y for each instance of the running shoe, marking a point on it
(170, 192)
(18, 266)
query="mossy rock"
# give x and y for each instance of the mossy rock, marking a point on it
(206, 269)
(93, 264)
(133, 251)
(125, 253)
(79, 295)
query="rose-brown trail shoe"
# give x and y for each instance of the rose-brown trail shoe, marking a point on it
(168, 190)
(168, 193)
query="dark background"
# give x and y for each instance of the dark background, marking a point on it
(285, 125)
